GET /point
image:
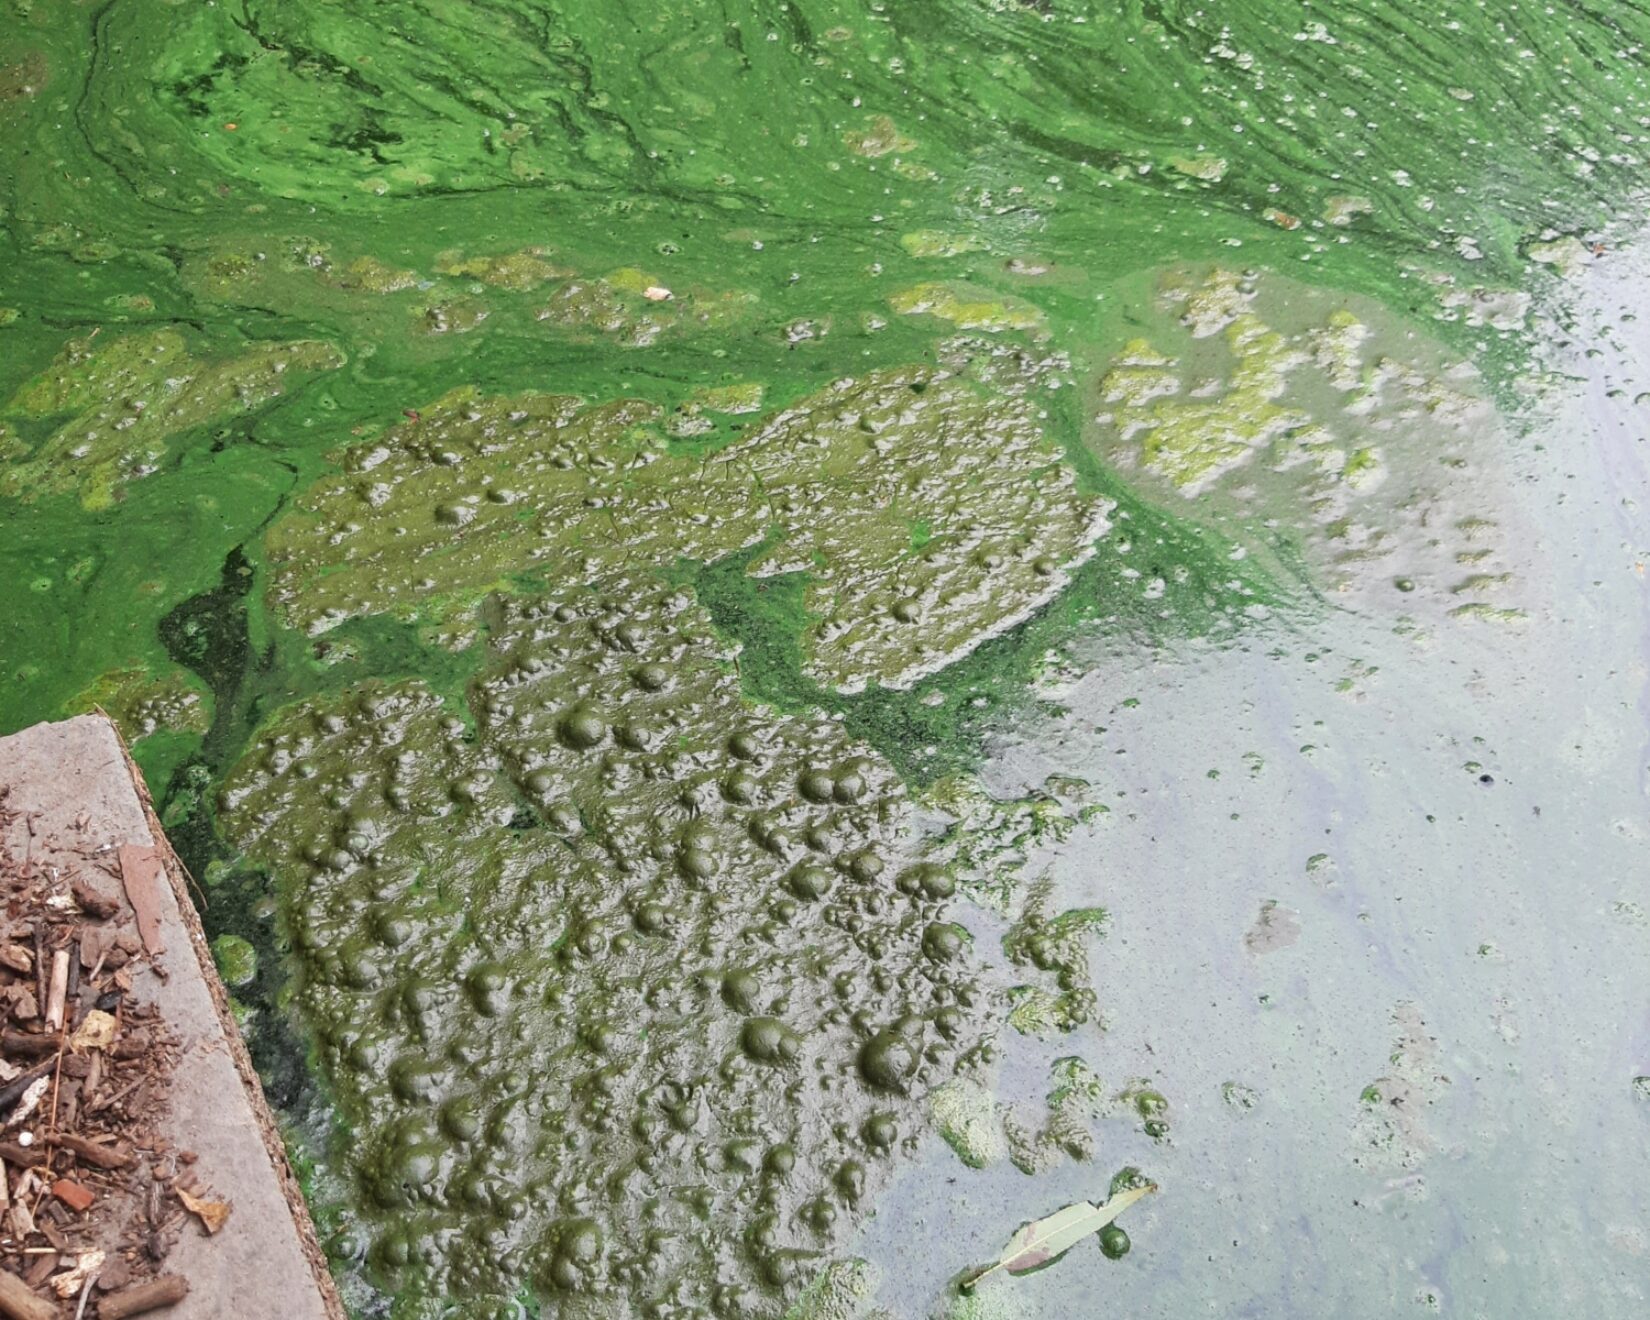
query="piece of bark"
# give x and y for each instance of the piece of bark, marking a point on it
(132, 1044)
(92, 903)
(13, 1090)
(141, 873)
(168, 1290)
(39, 964)
(212, 1214)
(16, 957)
(23, 1157)
(91, 1152)
(95, 943)
(17, 1302)
(30, 1045)
(115, 1275)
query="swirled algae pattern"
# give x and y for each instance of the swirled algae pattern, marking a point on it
(560, 492)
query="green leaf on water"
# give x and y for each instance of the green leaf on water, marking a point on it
(1044, 1241)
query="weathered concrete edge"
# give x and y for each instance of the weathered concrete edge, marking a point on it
(268, 1130)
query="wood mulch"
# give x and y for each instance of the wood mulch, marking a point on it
(92, 1197)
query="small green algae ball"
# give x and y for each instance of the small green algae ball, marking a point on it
(237, 960)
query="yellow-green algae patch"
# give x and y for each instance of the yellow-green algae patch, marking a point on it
(1210, 168)
(843, 1290)
(732, 399)
(122, 401)
(142, 703)
(369, 274)
(620, 983)
(477, 493)
(1280, 407)
(1057, 944)
(968, 307)
(939, 243)
(878, 137)
(516, 271)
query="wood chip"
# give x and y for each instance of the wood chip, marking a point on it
(17, 1302)
(116, 1274)
(22, 1157)
(92, 903)
(31, 1045)
(69, 1285)
(30, 1101)
(59, 990)
(92, 1152)
(95, 943)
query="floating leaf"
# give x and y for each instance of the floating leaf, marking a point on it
(1044, 1241)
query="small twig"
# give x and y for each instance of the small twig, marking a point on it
(39, 967)
(85, 1292)
(74, 967)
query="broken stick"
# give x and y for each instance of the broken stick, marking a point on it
(18, 1302)
(103, 1157)
(168, 1290)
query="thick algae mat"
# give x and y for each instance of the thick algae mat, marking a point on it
(785, 636)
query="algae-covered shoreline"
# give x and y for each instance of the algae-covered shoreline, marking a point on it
(587, 513)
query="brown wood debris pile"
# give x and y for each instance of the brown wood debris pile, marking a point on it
(92, 1197)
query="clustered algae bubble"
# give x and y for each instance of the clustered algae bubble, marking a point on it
(929, 512)
(623, 985)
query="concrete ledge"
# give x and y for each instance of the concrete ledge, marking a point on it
(78, 796)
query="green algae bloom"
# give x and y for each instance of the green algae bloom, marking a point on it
(529, 476)
(142, 703)
(968, 307)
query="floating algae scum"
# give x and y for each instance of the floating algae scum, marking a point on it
(788, 636)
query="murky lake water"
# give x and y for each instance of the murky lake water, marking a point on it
(788, 635)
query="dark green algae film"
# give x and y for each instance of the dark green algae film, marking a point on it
(786, 635)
